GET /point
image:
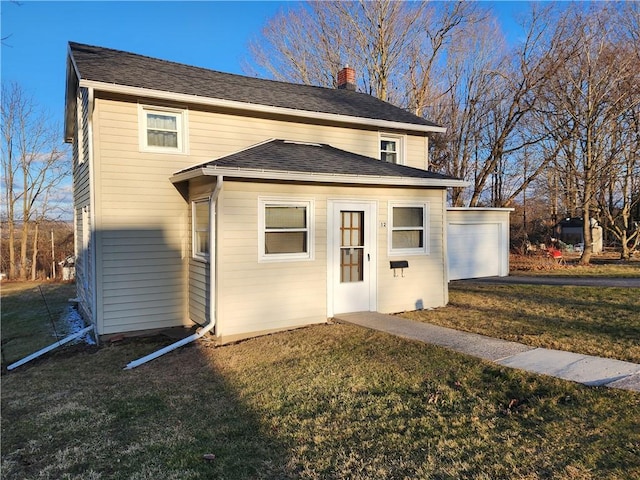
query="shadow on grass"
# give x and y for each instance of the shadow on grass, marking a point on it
(31, 315)
(82, 416)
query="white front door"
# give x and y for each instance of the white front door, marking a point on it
(352, 257)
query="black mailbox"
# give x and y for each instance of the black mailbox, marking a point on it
(399, 264)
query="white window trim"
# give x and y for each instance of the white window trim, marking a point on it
(425, 249)
(309, 204)
(401, 142)
(182, 117)
(203, 257)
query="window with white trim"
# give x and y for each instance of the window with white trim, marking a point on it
(200, 226)
(285, 229)
(162, 129)
(391, 148)
(408, 228)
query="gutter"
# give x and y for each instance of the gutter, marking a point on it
(258, 108)
(338, 178)
(201, 332)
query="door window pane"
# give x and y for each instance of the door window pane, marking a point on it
(352, 246)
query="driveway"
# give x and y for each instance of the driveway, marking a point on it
(630, 282)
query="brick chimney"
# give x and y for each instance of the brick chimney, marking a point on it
(347, 78)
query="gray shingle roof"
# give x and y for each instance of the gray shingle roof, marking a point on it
(286, 156)
(123, 68)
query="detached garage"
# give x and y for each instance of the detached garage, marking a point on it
(478, 242)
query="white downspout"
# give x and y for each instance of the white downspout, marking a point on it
(212, 277)
(53, 346)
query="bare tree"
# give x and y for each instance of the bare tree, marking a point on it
(34, 164)
(585, 98)
(444, 60)
(522, 115)
(392, 45)
(620, 182)
(459, 100)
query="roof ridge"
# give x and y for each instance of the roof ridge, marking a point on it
(113, 67)
(220, 72)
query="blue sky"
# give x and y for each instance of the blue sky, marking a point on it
(210, 34)
(207, 34)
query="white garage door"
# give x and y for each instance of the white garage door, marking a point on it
(474, 250)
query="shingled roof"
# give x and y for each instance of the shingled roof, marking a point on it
(283, 159)
(114, 67)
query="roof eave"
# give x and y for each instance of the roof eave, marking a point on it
(253, 107)
(289, 176)
(71, 85)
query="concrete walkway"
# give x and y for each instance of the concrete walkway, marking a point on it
(585, 369)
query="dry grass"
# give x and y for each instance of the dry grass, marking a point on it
(29, 321)
(603, 265)
(595, 321)
(326, 402)
(319, 403)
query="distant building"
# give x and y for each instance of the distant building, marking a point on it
(569, 231)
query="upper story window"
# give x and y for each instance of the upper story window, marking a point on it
(391, 148)
(408, 229)
(285, 229)
(162, 129)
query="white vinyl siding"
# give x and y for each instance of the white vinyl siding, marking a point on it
(267, 296)
(146, 273)
(82, 201)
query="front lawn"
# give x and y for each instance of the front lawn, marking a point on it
(324, 402)
(591, 320)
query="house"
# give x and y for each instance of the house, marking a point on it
(570, 232)
(252, 205)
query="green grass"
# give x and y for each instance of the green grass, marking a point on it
(591, 320)
(26, 325)
(325, 402)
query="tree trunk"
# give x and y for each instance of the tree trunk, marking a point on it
(34, 254)
(587, 251)
(625, 251)
(12, 248)
(23, 250)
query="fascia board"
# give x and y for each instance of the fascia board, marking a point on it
(275, 175)
(253, 107)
